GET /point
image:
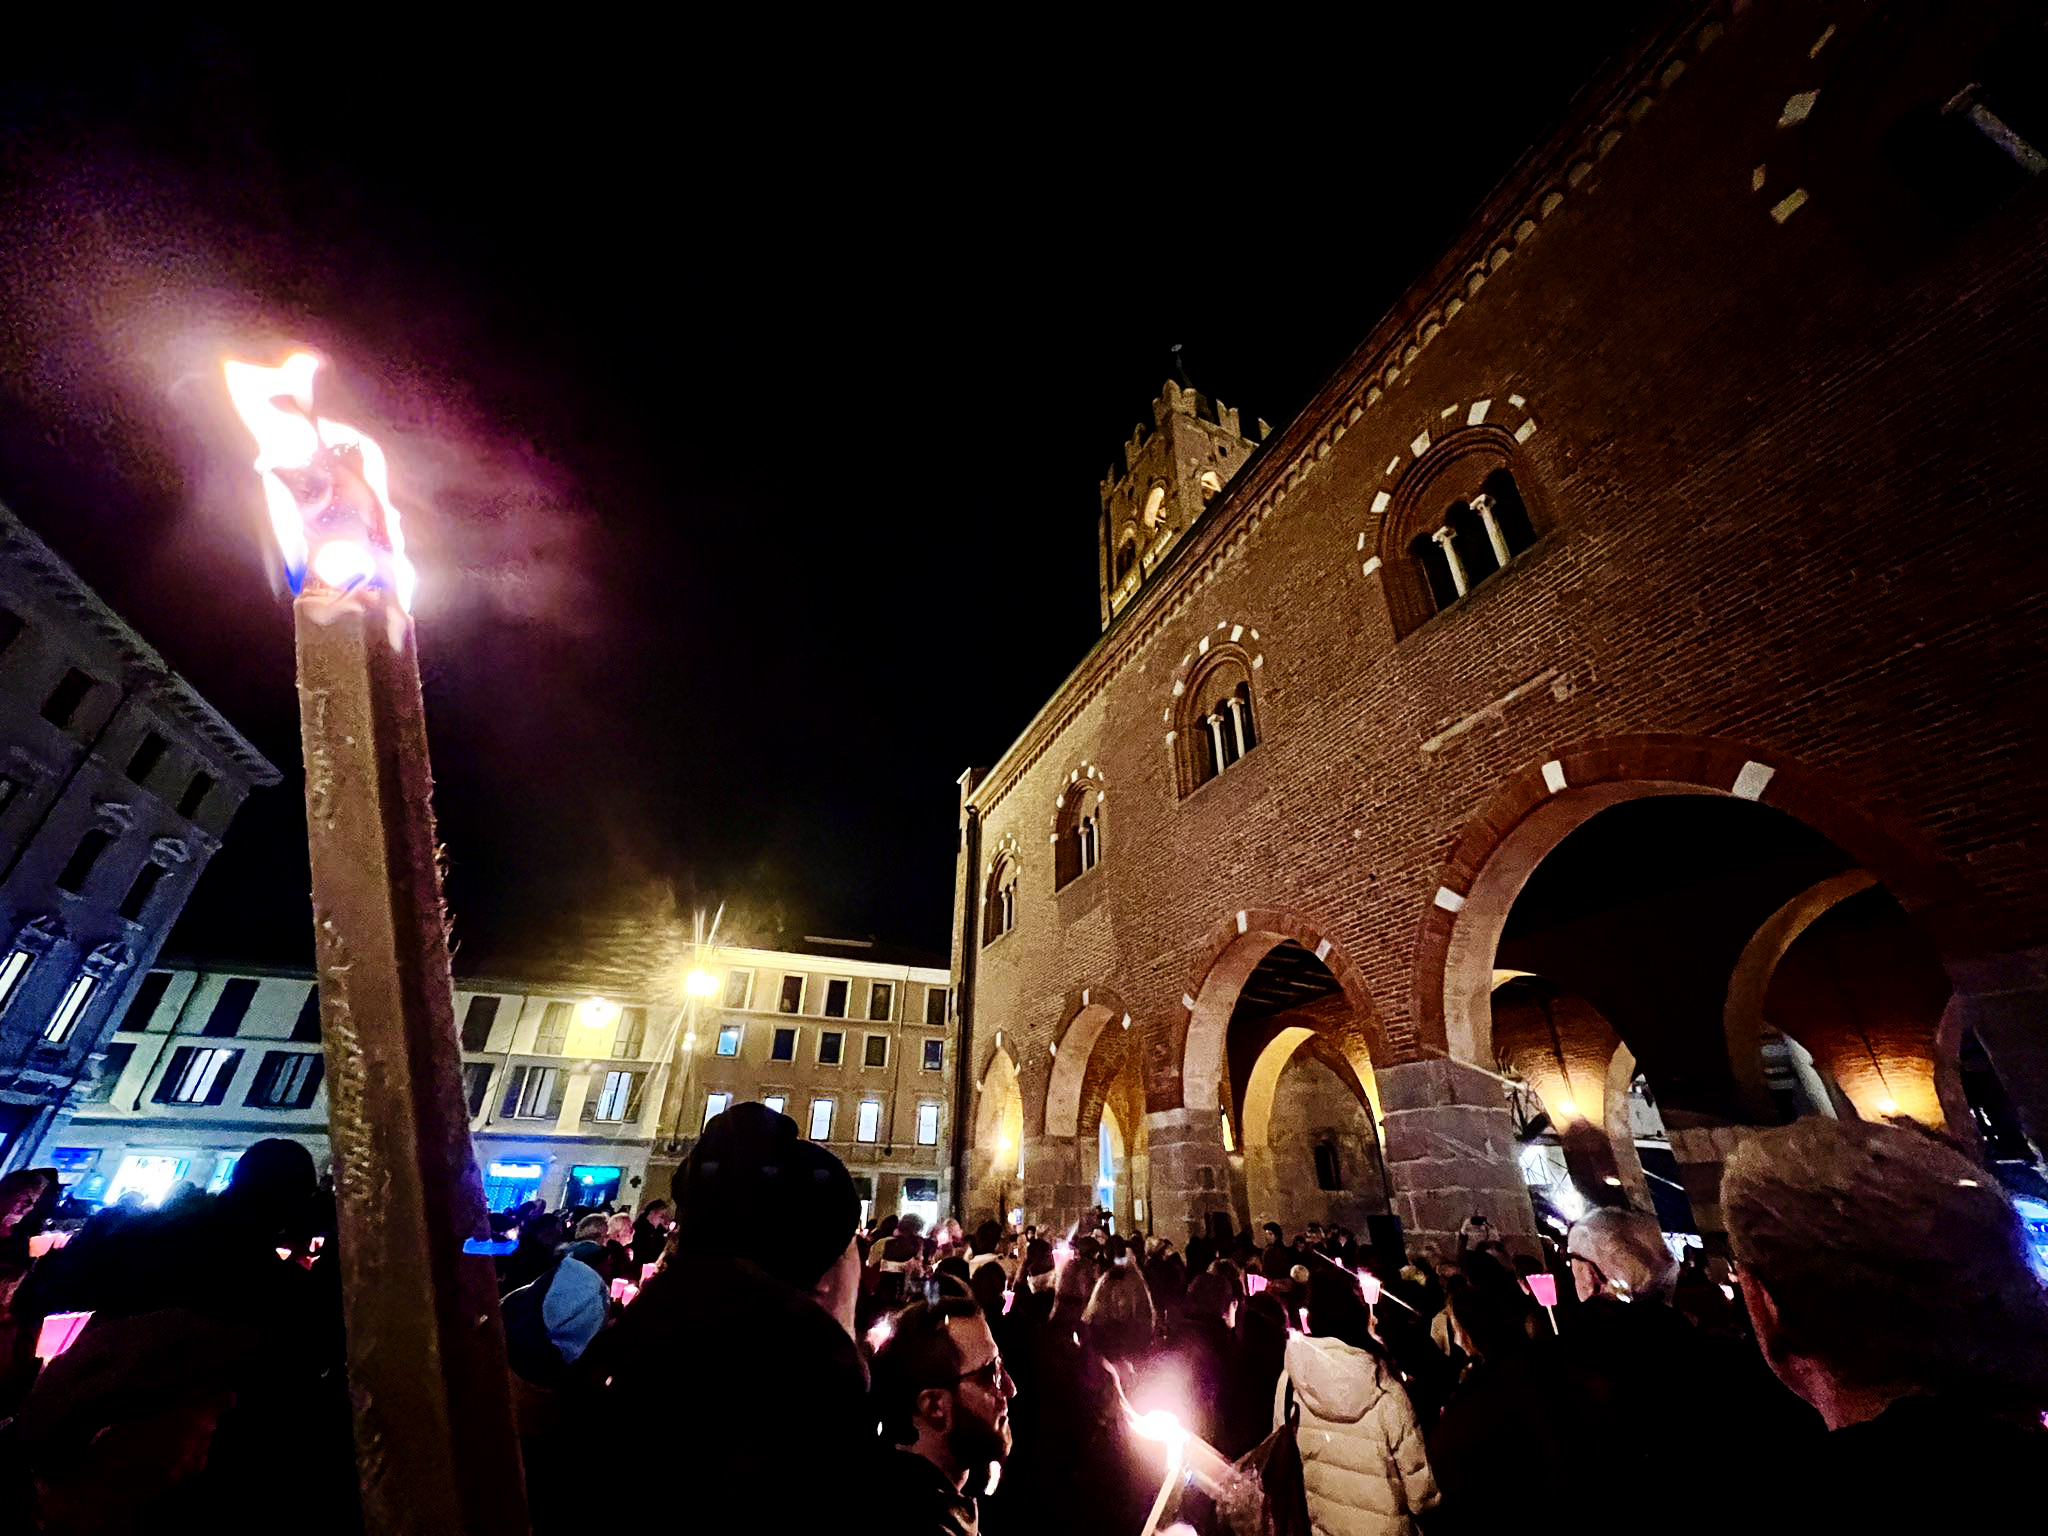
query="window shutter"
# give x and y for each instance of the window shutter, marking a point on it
(554, 1105)
(633, 1096)
(316, 1072)
(224, 1078)
(167, 1086)
(514, 1081)
(594, 1092)
(266, 1075)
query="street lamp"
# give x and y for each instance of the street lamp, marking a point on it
(436, 1448)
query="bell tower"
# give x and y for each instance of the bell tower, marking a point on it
(1170, 470)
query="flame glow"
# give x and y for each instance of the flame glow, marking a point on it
(1158, 1425)
(327, 485)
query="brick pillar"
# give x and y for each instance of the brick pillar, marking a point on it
(1450, 1148)
(1190, 1172)
(2004, 998)
(1701, 1146)
(1056, 1191)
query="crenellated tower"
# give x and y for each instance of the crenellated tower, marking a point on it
(1171, 470)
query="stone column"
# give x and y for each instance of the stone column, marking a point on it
(1483, 505)
(1447, 541)
(1190, 1172)
(2004, 998)
(1056, 1193)
(1701, 1146)
(1450, 1150)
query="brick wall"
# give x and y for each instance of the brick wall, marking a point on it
(1783, 493)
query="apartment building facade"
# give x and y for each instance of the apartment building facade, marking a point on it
(117, 783)
(574, 1098)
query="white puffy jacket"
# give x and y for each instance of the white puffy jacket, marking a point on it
(1362, 1460)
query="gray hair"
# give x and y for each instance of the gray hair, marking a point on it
(1891, 1259)
(1629, 1248)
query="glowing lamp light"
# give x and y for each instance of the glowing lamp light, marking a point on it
(1887, 1107)
(597, 1013)
(1369, 1284)
(326, 485)
(1544, 1289)
(880, 1333)
(700, 983)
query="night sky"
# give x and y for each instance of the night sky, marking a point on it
(746, 395)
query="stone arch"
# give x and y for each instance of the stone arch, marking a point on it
(1744, 1013)
(998, 1143)
(1547, 800)
(1095, 1009)
(1256, 1113)
(1229, 955)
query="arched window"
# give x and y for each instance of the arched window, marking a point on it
(1155, 505)
(1077, 845)
(1329, 1170)
(1217, 723)
(999, 901)
(1126, 555)
(1458, 519)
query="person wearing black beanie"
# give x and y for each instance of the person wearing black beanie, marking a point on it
(753, 1189)
(739, 1353)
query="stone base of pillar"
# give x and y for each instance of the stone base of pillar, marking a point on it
(1190, 1172)
(2004, 999)
(1700, 1148)
(1056, 1192)
(1451, 1152)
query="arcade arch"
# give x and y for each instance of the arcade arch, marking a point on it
(994, 1175)
(1279, 1117)
(1673, 907)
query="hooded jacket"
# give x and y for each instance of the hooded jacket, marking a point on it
(1362, 1460)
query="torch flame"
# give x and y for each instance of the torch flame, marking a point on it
(327, 485)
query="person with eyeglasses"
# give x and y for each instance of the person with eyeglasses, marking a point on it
(942, 1396)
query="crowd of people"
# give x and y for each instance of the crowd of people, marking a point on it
(754, 1354)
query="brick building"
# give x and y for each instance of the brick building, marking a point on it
(117, 783)
(1616, 683)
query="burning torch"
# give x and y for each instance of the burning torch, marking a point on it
(436, 1448)
(1187, 1454)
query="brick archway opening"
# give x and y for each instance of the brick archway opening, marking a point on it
(1545, 804)
(1096, 1071)
(1308, 1136)
(994, 1181)
(1737, 923)
(1279, 1016)
(1322, 976)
